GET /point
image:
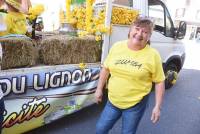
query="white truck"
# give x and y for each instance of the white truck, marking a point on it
(39, 95)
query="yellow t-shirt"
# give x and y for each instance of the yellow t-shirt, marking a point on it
(16, 23)
(132, 73)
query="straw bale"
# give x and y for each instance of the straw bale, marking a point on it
(65, 49)
(18, 52)
(46, 34)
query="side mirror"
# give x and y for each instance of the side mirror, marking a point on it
(181, 31)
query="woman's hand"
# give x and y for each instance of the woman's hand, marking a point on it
(98, 95)
(100, 86)
(159, 90)
(155, 116)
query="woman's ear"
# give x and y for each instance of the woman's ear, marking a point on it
(129, 34)
(148, 42)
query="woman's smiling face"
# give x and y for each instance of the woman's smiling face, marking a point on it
(139, 34)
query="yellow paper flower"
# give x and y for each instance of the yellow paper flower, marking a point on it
(82, 33)
(35, 11)
(89, 14)
(82, 66)
(98, 38)
(89, 24)
(175, 78)
(68, 10)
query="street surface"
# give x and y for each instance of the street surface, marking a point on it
(180, 112)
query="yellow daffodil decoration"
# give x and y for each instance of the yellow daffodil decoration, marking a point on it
(68, 11)
(35, 11)
(82, 18)
(82, 66)
(123, 16)
(89, 14)
(88, 23)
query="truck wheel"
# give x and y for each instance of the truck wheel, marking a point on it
(171, 73)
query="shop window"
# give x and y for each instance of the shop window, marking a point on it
(198, 15)
(180, 12)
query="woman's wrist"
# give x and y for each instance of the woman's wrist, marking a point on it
(99, 89)
(157, 107)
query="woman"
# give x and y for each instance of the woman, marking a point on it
(133, 65)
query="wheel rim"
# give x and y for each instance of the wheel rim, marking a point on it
(171, 77)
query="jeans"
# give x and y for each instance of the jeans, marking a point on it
(130, 117)
(2, 108)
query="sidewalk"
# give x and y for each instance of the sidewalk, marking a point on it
(192, 48)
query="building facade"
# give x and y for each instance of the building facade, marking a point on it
(189, 11)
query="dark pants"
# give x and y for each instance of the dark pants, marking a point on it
(2, 108)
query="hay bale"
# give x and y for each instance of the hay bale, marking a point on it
(64, 49)
(45, 34)
(18, 52)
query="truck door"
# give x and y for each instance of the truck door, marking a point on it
(165, 40)
(163, 36)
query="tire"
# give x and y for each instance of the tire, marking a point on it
(171, 72)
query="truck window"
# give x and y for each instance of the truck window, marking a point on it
(156, 12)
(162, 20)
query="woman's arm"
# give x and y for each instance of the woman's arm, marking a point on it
(159, 94)
(25, 5)
(102, 80)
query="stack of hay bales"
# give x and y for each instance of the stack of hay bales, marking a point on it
(63, 49)
(17, 52)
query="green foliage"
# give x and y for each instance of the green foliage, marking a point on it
(78, 1)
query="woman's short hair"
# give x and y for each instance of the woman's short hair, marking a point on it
(142, 22)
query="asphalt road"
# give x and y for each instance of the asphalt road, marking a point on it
(180, 112)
